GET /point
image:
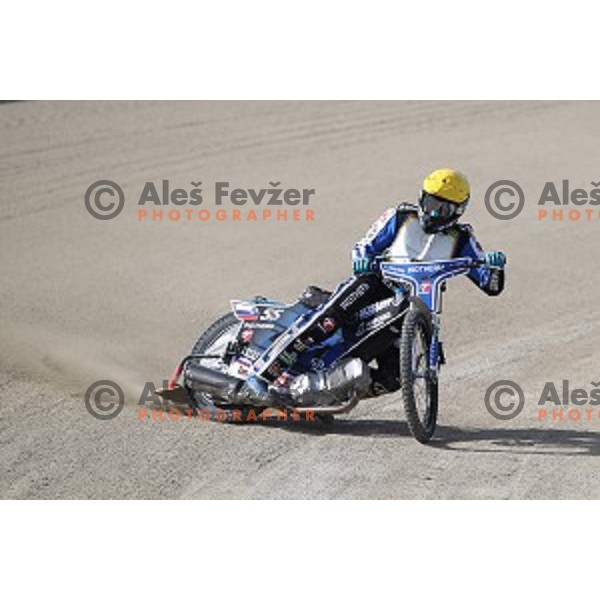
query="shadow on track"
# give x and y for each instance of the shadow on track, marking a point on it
(498, 439)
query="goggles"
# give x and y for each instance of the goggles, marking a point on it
(437, 208)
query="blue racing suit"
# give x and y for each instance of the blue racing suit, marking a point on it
(399, 235)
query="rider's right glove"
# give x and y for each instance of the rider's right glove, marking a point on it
(361, 266)
(495, 259)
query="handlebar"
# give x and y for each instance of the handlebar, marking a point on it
(474, 263)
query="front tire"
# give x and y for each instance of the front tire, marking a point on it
(419, 385)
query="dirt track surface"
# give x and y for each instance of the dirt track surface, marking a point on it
(84, 300)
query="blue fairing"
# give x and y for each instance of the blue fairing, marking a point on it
(292, 318)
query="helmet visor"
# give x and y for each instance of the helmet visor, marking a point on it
(437, 208)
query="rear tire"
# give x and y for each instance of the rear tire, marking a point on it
(419, 387)
(223, 330)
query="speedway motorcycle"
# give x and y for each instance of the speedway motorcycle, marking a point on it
(330, 377)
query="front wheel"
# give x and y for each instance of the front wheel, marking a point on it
(419, 385)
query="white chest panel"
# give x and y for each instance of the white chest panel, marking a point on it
(412, 243)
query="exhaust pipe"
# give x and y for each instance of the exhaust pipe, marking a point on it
(216, 383)
(349, 380)
(336, 392)
(336, 409)
(209, 381)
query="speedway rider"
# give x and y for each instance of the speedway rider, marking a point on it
(429, 231)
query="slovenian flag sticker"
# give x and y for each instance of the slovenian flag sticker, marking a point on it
(246, 311)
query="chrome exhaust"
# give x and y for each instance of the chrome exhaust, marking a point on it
(335, 392)
(210, 381)
(338, 387)
(329, 410)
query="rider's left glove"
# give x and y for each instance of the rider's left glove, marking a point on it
(496, 260)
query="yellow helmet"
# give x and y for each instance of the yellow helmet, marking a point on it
(443, 199)
(447, 184)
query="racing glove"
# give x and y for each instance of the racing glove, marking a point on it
(495, 260)
(361, 265)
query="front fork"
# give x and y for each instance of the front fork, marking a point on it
(436, 352)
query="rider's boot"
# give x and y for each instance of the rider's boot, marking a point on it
(386, 377)
(382, 383)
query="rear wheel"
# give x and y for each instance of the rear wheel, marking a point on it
(215, 341)
(419, 385)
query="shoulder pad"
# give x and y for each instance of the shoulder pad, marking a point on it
(406, 207)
